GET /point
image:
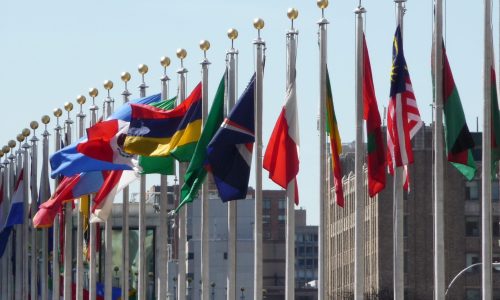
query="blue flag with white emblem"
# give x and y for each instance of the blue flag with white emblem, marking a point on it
(229, 154)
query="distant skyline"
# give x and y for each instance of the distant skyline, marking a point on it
(53, 51)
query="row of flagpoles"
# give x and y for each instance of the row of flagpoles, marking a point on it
(403, 122)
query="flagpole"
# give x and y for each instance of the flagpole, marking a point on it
(33, 208)
(439, 280)
(125, 77)
(79, 229)
(486, 170)
(398, 255)
(323, 23)
(291, 36)
(6, 288)
(25, 227)
(181, 250)
(56, 230)
(18, 246)
(93, 93)
(3, 260)
(205, 208)
(260, 45)
(68, 223)
(163, 227)
(232, 205)
(12, 183)
(44, 272)
(360, 192)
(108, 234)
(141, 289)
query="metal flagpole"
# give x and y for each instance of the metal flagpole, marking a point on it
(205, 212)
(68, 223)
(141, 289)
(12, 171)
(360, 192)
(486, 171)
(25, 227)
(79, 227)
(93, 92)
(164, 220)
(44, 181)
(439, 281)
(398, 209)
(33, 208)
(108, 234)
(181, 250)
(260, 45)
(18, 246)
(232, 205)
(125, 77)
(291, 36)
(56, 273)
(3, 282)
(7, 279)
(323, 23)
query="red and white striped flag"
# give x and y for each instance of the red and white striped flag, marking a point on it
(403, 120)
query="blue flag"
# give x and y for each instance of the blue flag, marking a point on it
(229, 154)
(15, 215)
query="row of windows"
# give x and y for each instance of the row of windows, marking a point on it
(473, 226)
(266, 204)
(473, 190)
(306, 251)
(307, 262)
(474, 258)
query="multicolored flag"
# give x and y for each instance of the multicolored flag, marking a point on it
(403, 120)
(157, 132)
(196, 172)
(158, 164)
(229, 154)
(102, 148)
(459, 141)
(15, 215)
(281, 158)
(377, 163)
(495, 118)
(335, 143)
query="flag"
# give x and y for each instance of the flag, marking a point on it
(403, 120)
(495, 116)
(15, 215)
(102, 148)
(376, 150)
(281, 158)
(158, 164)
(459, 141)
(103, 201)
(335, 143)
(157, 132)
(68, 189)
(196, 172)
(229, 154)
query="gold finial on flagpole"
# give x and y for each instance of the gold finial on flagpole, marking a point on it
(108, 84)
(80, 99)
(165, 62)
(93, 92)
(20, 138)
(258, 23)
(181, 54)
(292, 14)
(57, 114)
(125, 77)
(5, 149)
(26, 132)
(68, 106)
(143, 69)
(12, 144)
(1, 153)
(45, 120)
(204, 46)
(232, 34)
(322, 4)
(34, 125)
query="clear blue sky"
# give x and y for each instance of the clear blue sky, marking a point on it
(51, 51)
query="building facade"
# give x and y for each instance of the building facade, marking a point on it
(462, 232)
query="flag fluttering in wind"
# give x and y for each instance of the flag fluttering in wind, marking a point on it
(403, 120)
(335, 143)
(377, 163)
(229, 154)
(158, 164)
(68, 189)
(495, 119)
(102, 148)
(282, 153)
(459, 141)
(114, 183)
(15, 215)
(196, 172)
(157, 132)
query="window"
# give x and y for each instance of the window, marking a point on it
(472, 190)
(191, 255)
(496, 227)
(472, 226)
(266, 204)
(282, 204)
(470, 259)
(266, 219)
(494, 190)
(496, 259)
(225, 255)
(281, 218)
(473, 294)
